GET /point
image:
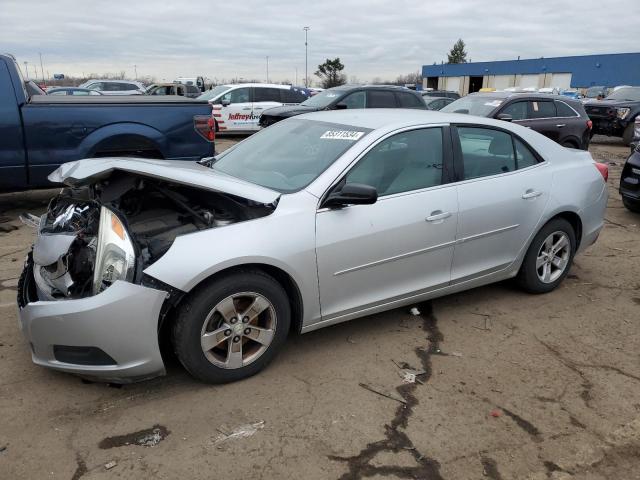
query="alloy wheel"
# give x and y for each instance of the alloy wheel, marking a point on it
(553, 257)
(238, 330)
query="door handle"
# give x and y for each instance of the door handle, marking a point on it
(258, 108)
(531, 194)
(246, 108)
(438, 215)
(560, 125)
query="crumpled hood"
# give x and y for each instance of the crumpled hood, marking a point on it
(82, 172)
(289, 111)
(608, 103)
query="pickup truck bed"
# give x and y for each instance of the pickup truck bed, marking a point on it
(40, 133)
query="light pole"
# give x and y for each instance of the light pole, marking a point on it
(267, 68)
(26, 69)
(135, 69)
(41, 67)
(306, 71)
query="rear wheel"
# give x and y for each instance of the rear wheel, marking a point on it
(631, 205)
(569, 144)
(232, 327)
(549, 257)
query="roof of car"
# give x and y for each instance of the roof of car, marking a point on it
(269, 85)
(372, 87)
(523, 95)
(374, 118)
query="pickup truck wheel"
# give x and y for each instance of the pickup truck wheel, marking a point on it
(232, 327)
(627, 136)
(549, 257)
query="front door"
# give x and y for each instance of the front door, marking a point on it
(402, 245)
(501, 200)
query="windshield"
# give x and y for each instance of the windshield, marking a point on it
(629, 93)
(211, 94)
(289, 155)
(323, 99)
(480, 105)
(593, 92)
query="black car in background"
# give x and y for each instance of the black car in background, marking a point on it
(345, 97)
(614, 116)
(440, 93)
(562, 119)
(630, 182)
(437, 103)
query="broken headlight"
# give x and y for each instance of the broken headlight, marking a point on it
(115, 255)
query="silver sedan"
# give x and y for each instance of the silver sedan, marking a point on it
(313, 221)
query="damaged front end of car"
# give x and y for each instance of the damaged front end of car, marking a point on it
(85, 304)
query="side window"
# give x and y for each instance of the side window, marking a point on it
(485, 152)
(381, 99)
(239, 95)
(407, 161)
(524, 156)
(565, 110)
(128, 86)
(96, 86)
(292, 96)
(355, 100)
(517, 110)
(408, 100)
(542, 109)
(264, 94)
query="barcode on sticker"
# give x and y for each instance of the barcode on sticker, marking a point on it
(342, 135)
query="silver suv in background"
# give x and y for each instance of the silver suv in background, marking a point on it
(115, 87)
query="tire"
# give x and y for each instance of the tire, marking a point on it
(627, 135)
(631, 205)
(529, 277)
(199, 320)
(569, 144)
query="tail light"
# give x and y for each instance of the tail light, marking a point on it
(603, 169)
(589, 124)
(205, 126)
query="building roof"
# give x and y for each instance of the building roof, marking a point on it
(587, 70)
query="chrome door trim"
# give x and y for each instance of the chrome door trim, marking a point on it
(394, 258)
(486, 234)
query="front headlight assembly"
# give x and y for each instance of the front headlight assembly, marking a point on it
(623, 112)
(115, 255)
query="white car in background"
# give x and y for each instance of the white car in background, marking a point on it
(237, 108)
(115, 87)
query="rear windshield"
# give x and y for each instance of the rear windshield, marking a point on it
(480, 105)
(289, 155)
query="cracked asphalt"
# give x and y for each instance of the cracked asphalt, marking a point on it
(515, 386)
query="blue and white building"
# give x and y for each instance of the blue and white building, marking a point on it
(608, 70)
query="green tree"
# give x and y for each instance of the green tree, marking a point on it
(330, 73)
(457, 53)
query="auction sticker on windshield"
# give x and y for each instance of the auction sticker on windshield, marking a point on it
(342, 135)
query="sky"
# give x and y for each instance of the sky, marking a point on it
(376, 40)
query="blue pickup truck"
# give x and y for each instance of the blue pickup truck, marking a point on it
(40, 132)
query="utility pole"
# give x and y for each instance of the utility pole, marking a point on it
(41, 67)
(26, 69)
(135, 69)
(296, 75)
(267, 68)
(306, 57)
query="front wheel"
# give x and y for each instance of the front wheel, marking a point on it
(549, 257)
(631, 205)
(232, 327)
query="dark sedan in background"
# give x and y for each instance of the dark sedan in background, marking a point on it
(346, 97)
(562, 119)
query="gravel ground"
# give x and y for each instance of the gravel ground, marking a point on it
(516, 387)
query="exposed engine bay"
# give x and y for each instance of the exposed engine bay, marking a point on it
(95, 234)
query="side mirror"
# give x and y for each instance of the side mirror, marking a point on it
(352, 194)
(506, 117)
(225, 103)
(341, 106)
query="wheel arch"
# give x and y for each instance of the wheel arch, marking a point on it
(124, 137)
(281, 276)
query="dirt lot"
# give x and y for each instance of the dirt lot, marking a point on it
(517, 387)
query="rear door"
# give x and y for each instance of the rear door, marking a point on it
(542, 115)
(572, 127)
(264, 98)
(503, 190)
(381, 99)
(236, 110)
